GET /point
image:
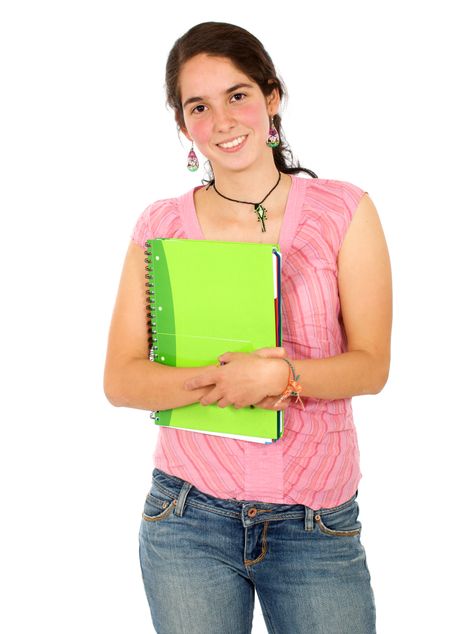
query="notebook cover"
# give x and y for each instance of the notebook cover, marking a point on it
(208, 298)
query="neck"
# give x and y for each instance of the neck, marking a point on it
(251, 184)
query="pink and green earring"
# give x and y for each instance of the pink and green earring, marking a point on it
(192, 163)
(274, 137)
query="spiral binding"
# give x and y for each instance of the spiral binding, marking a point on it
(151, 314)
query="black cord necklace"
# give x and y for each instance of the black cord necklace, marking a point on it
(260, 211)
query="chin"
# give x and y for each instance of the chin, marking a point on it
(236, 164)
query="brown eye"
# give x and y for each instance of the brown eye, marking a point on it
(196, 109)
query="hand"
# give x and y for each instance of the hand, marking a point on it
(243, 378)
(269, 401)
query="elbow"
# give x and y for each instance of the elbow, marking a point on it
(112, 396)
(382, 376)
(112, 391)
(113, 400)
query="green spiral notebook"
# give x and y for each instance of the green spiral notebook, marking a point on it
(206, 298)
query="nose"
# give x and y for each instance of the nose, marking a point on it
(223, 120)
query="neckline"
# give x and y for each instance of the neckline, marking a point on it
(292, 213)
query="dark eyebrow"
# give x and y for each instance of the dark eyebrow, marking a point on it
(227, 92)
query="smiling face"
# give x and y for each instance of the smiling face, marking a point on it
(225, 113)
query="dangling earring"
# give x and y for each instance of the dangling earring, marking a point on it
(274, 137)
(192, 163)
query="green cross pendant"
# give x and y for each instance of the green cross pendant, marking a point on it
(261, 213)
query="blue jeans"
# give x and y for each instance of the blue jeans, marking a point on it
(202, 558)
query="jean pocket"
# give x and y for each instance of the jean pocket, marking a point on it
(158, 505)
(342, 522)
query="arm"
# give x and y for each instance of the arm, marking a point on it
(130, 378)
(365, 289)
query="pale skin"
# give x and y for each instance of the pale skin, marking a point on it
(213, 115)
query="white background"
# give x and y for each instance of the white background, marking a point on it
(86, 144)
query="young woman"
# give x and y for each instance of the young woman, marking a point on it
(224, 516)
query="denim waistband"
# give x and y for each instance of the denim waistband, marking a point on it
(250, 511)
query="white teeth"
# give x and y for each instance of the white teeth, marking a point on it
(234, 143)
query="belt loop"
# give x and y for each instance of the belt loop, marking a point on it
(309, 519)
(181, 500)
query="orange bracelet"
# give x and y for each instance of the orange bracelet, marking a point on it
(293, 387)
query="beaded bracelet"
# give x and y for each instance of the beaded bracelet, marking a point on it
(293, 387)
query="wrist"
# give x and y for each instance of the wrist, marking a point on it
(280, 374)
(293, 387)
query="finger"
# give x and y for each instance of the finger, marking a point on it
(224, 402)
(201, 380)
(266, 403)
(266, 353)
(226, 357)
(211, 397)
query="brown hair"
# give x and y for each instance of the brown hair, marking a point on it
(248, 54)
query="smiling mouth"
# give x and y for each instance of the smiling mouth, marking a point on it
(233, 144)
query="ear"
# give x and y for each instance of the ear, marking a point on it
(182, 128)
(273, 102)
(186, 133)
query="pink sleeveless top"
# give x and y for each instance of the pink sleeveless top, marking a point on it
(316, 461)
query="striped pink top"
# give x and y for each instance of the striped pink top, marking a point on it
(316, 461)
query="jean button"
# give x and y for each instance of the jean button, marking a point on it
(252, 512)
